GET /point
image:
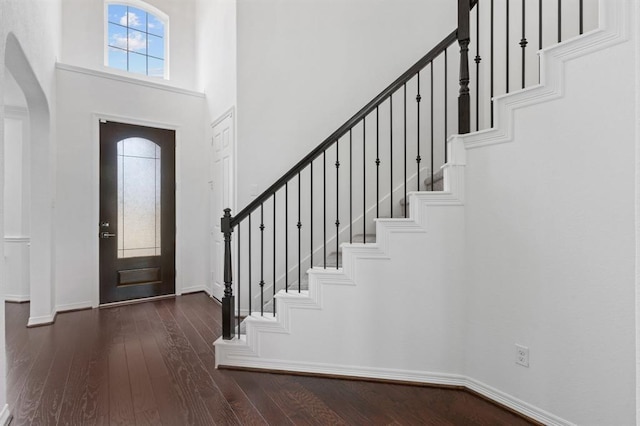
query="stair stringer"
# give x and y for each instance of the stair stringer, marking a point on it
(330, 287)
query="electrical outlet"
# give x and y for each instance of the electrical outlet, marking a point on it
(522, 355)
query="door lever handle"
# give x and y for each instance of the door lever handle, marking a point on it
(105, 234)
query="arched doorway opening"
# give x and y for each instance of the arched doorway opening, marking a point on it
(41, 183)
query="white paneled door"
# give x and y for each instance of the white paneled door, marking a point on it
(221, 195)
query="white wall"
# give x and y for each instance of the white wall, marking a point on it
(551, 250)
(305, 67)
(36, 25)
(82, 95)
(216, 54)
(83, 38)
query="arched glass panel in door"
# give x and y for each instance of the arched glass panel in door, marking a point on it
(139, 198)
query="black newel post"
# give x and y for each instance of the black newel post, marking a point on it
(228, 302)
(464, 101)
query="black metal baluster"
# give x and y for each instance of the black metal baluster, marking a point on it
(262, 259)
(286, 237)
(559, 21)
(377, 164)
(239, 282)
(228, 301)
(273, 301)
(507, 48)
(311, 220)
(523, 43)
(405, 148)
(364, 178)
(350, 188)
(250, 268)
(391, 153)
(446, 127)
(324, 205)
(432, 151)
(337, 202)
(418, 159)
(464, 38)
(299, 235)
(539, 24)
(477, 60)
(581, 16)
(492, 62)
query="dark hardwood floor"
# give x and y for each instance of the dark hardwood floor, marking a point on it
(153, 363)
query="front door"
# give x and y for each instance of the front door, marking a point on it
(137, 212)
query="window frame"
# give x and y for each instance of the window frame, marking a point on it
(152, 10)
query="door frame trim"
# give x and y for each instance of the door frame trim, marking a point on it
(95, 213)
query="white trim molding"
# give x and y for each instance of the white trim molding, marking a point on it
(74, 306)
(17, 240)
(16, 298)
(138, 81)
(41, 320)
(192, 289)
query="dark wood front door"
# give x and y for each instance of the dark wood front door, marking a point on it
(137, 212)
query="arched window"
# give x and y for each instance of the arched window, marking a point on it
(136, 38)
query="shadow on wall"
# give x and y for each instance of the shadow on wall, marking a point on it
(42, 181)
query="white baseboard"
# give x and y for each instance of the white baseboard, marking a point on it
(41, 320)
(515, 404)
(74, 306)
(16, 298)
(5, 415)
(193, 289)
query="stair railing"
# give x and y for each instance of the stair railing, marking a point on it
(378, 144)
(410, 80)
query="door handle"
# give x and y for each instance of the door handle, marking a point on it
(105, 234)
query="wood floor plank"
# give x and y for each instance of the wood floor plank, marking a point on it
(18, 371)
(192, 374)
(172, 407)
(141, 389)
(188, 384)
(349, 405)
(240, 403)
(53, 391)
(309, 405)
(382, 395)
(273, 414)
(148, 418)
(27, 402)
(86, 395)
(120, 397)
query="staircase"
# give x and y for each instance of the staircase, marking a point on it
(329, 283)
